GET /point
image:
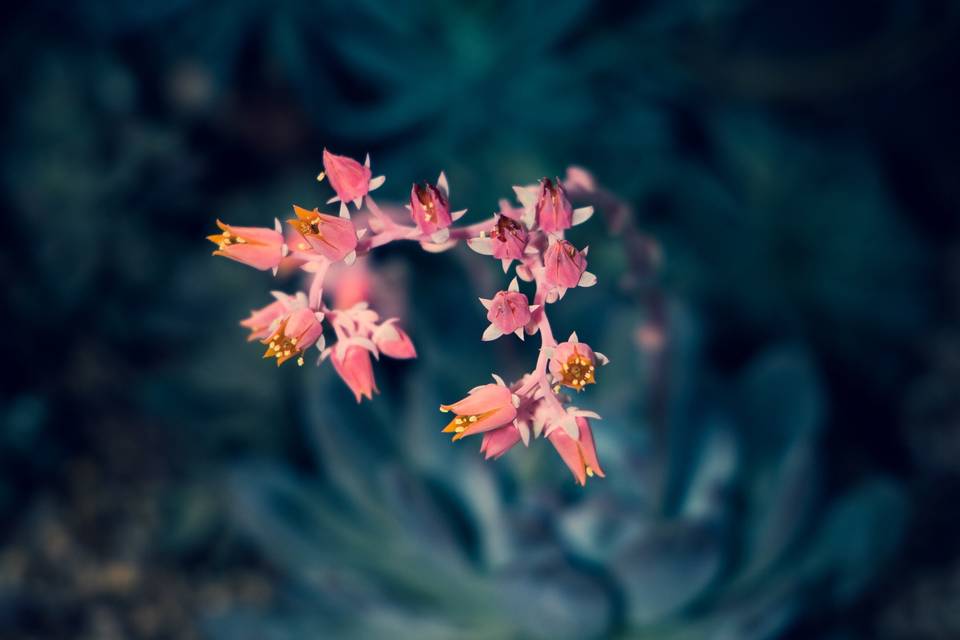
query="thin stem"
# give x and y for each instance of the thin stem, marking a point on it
(315, 297)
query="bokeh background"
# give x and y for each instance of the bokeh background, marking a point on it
(779, 287)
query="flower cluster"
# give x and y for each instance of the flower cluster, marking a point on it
(529, 233)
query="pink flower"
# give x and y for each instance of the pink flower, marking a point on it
(565, 267)
(429, 208)
(262, 319)
(394, 341)
(485, 408)
(554, 211)
(579, 454)
(509, 239)
(508, 312)
(499, 441)
(298, 331)
(355, 368)
(258, 247)
(349, 178)
(573, 363)
(333, 237)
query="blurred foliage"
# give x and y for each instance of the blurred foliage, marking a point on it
(779, 414)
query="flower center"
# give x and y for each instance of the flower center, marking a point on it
(282, 347)
(423, 195)
(506, 226)
(310, 226)
(227, 238)
(460, 424)
(578, 372)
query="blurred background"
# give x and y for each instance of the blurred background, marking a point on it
(779, 293)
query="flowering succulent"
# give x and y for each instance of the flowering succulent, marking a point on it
(324, 245)
(508, 312)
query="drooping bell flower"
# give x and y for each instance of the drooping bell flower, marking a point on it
(349, 178)
(261, 320)
(579, 454)
(354, 367)
(573, 364)
(508, 312)
(506, 242)
(333, 237)
(258, 247)
(298, 331)
(565, 267)
(554, 211)
(509, 239)
(498, 441)
(429, 208)
(393, 341)
(485, 408)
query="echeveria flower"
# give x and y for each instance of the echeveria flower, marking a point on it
(565, 267)
(353, 365)
(258, 247)
(509, 239)
(553, 208)
(333, 237)
(508, 312)
(429, 208)
(573, 363)
(350, 179)
(299, 330)
(262, 320)
(532, 234)
(393, 341)
(485, 408)
(498, 441)
(579, 454)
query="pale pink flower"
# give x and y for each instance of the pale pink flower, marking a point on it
(565, 267)
(498, 441)
(573, 364)
(349, 178)
(553, 208)
(485, 408)
(579, 454)
(508, 312)
(262, 319)
(258, 247)
(509, 239)
(393, 341)
(333, 237)
(429, 208)
(297, 331)
(356, 369)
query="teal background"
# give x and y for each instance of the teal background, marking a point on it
(785, 467)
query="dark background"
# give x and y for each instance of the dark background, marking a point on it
(782, 414)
